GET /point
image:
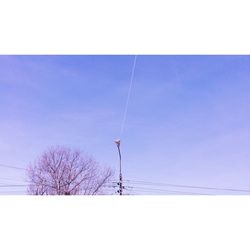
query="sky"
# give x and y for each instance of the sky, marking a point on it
(187, 123)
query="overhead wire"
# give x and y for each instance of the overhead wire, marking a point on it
(167, 191)
(8, 179)
(152, 185)
(11, 185)
(186, 186)
(12, 167)
(149, 189)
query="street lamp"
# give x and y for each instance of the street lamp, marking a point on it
(118, 143)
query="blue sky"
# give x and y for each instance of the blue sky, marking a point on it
(188, 117)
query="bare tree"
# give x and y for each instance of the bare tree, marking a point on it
(62, 171)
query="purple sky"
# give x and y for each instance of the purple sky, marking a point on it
(188, 118)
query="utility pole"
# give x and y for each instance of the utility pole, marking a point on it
(118, 143)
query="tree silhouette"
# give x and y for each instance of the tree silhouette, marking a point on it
(62, 171)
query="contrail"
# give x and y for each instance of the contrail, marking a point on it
(129, 94)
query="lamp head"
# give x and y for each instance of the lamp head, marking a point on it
(117, 142)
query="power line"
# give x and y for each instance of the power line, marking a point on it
(11, 185)
(166, 190)
(149, 189)
(8, 179)
(13, 192)
(162, 192)
(14, 183)
(12, 167)
(187, 186)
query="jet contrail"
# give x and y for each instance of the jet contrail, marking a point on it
(129, 94)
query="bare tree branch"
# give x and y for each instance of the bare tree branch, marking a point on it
(61, 171)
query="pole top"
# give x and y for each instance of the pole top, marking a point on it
(117, 142)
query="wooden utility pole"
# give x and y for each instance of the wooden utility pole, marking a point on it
(118, 144)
